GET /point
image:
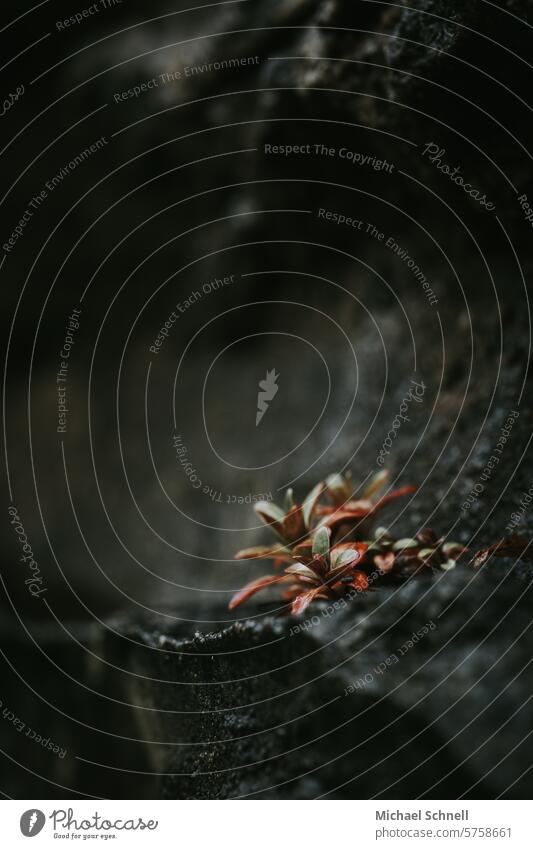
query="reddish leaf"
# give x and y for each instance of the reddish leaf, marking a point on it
(254, 587)
(392, 496)
(360, 505)
(359, 581)
(302, 601)
(341, 516)
(515, 546)
(263, 552)
(303, 550)
(271, 514)
(319, 565)
(343, 546)
(385, 562)
(325, 509)
(293, 525)
(291, 593)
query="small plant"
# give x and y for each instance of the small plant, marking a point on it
(322, 571)
(327, 547)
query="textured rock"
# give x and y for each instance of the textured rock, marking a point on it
(423, 689)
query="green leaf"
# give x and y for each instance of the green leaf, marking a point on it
(310, 503)
(268, 512)
(289, 500)
(321, 542)
(376, 483)
(339, 488)
(345, 558)
(400, 544)
(302, 571)
(450, 564)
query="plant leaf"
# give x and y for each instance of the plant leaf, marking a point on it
(339, 488)
(359, 581)
(454, 549)
(303, 549)
(402, 544)
(515, 546)
(377, 482)
(385, 562)
(270, 510)
(345, 558)
(270, 514)
(289, 500)
(341, 516)
(263, 552)
(293, 527)
(310, 503)
(302, 601)
(427, 537)
(347, 555)
(302, 571)
(321, 541)
(254, 587)
(391, 496)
